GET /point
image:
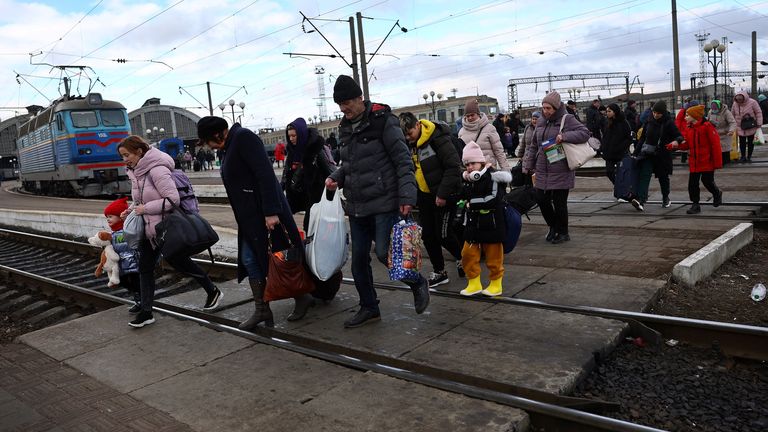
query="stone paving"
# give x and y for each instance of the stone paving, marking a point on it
(38, 393)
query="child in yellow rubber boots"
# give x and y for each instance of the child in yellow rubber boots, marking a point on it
(484, 225)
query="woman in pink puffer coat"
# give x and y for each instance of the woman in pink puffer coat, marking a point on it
(151, 185)
(743, 107)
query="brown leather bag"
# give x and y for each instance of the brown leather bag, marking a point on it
(287, 276)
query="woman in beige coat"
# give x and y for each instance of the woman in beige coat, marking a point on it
(722, 118)
(476, 127)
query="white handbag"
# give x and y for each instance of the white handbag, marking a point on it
(578, 154)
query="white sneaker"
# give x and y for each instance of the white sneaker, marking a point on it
(637, 205)
(436, 279)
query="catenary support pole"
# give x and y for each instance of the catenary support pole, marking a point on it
(353, 44)
(676, 56)
(754, 64)
(210, 103)
(363, 65)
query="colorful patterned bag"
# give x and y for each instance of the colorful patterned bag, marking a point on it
(404, 258)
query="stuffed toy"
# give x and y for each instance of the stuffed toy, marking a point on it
(110, 260)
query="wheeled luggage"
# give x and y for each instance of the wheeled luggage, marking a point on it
(626, 178)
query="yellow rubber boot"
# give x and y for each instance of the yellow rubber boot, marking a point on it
(494, 288)
(473, 287)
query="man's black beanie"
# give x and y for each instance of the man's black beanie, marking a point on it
(345, 89)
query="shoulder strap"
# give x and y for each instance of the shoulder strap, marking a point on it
(562, 122)
(478, 134)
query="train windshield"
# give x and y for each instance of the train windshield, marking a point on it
(112, 118)
(84, 119)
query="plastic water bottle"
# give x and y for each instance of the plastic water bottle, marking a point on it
(758, 292)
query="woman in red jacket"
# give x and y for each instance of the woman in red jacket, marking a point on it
(703, 143)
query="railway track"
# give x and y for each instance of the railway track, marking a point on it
(64, 268)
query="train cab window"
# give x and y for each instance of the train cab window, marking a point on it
(59, 122)
(84, 119)
(112, 118)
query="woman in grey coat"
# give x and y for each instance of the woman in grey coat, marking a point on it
(553, 180)
(722, 118)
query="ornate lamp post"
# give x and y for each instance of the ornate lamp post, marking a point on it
(714, 50)
(432, 95)
(155, 133)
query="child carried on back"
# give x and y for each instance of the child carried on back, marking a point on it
(484, 227)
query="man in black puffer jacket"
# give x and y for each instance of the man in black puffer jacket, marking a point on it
(438, 177)
(376, 174)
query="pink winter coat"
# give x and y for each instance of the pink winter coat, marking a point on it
(488, 140)
(151, 182)
(749, 106)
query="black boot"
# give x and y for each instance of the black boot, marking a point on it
(420, 290)
(695, 209)
(550, 234)
(303, 303)
(717, 198)
(262, 312)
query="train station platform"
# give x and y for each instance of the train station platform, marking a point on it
(618, 258)
(177, 375)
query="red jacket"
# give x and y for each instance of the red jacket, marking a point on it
(280, 151)
(703, 145)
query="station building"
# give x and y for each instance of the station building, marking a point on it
(154, 122)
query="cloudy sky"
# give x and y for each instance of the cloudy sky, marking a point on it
(172, 48)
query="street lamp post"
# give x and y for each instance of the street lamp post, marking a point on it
(712, 49)
(432, 95)
(155, 133)
(232, 106)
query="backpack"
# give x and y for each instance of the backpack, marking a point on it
(513, 225)
(458, 143)
(187, 199)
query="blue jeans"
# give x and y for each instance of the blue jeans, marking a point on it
(364, 230)
(252, 266)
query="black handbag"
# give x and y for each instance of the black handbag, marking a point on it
(522, 198)
(648, 150)
(183, 234)
(748, 122)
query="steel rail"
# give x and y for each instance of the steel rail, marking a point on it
(564, 417)
(737, 340)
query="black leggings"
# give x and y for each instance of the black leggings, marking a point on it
(707, 179)
(610, 169)
(554, 208)
(437, 230)
(746, 143)
(148, 258)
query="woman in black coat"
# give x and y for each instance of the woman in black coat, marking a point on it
(617, 138)
(255, 196)
(658, 131)
(306, 168)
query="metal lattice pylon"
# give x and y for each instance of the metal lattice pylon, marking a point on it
(320, 71)
(701, 38)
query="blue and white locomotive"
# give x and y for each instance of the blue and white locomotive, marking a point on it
(70, 148)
